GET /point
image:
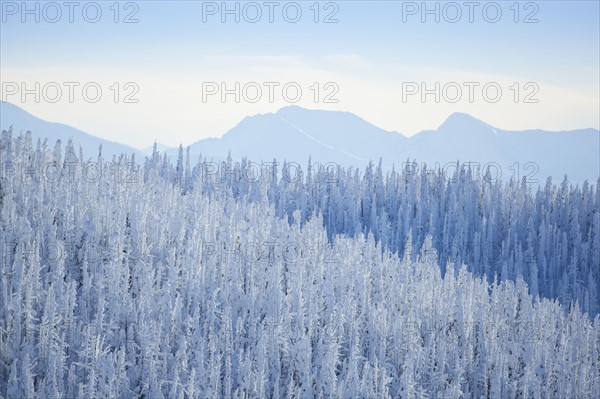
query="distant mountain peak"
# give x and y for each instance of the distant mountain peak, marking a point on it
(464, 124)
(291, 107)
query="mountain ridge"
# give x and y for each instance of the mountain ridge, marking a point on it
(347, 139)
(294, 134)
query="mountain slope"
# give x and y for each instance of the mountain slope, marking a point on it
(21, 120)
(294, 134)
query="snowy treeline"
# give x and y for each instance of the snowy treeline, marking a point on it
(172, 282)
(546, 234)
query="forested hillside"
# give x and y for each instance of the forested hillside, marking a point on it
(197, 279)
(548, 234)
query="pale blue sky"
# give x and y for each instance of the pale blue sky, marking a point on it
(368, 53)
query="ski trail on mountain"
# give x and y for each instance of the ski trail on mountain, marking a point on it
(320, 142)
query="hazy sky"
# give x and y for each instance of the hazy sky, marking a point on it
(374, 61)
